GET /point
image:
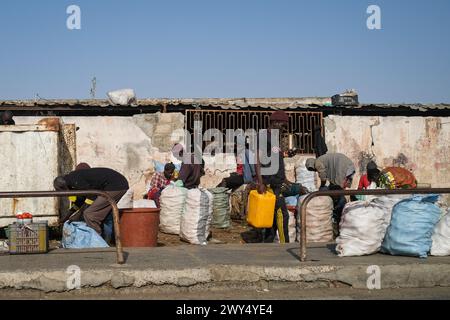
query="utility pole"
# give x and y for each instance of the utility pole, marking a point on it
(93, 87)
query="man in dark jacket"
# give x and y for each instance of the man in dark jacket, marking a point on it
(278, 121)
(103, 179)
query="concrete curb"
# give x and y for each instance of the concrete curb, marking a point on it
(235, 276)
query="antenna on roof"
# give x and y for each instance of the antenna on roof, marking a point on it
(38, 97)
(93, 87)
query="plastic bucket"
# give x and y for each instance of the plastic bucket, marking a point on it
(139, 227)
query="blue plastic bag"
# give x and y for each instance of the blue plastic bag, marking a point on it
(291, 201)
(77, 235)
(159, 166)
(412, 225)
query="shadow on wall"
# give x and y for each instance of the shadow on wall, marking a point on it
(400, 161)
(363, 159)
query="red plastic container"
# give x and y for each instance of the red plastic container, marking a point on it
(139, 227)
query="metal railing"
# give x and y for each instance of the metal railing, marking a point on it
(308, 198)
(45, 194)
(353, 193)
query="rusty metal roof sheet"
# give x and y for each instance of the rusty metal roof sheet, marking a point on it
(223, 103)
(217, 102)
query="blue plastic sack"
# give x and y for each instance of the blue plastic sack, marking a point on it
(412, 224)
(77, 235)
(291, 201)
(159, 166)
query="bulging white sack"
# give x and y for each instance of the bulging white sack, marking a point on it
(122, 97)
(172, 202)
(197, 218)
(318, 219)
(441, 237)
(363, 226)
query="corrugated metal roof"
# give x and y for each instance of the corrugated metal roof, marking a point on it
(224, 103)
(217, 102)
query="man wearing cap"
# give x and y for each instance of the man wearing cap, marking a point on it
(278, 121)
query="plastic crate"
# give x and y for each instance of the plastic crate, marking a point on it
(29, 238)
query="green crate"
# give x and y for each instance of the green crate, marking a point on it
(29, 238)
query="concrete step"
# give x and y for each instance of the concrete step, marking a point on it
(219, 267)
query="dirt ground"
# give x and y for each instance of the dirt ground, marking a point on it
(239, 232)
(231, 235)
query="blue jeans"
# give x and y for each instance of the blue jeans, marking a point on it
(108, 228)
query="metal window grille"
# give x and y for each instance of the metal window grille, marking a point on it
(300, 128)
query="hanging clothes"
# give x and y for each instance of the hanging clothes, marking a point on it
(320, 146)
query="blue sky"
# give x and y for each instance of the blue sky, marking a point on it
(232, 48)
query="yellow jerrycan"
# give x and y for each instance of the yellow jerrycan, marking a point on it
(261, 209)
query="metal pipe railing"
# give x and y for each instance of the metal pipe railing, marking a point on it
(44, 194)
(353, 193)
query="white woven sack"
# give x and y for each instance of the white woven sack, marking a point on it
(362, 228)
(307, 178)
(318, 219)
(122, 97)
(172, 202)
(197, 218)
(441, 237)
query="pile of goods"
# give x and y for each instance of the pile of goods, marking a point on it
(396, 225)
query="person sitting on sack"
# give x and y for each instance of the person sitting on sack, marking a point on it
(102, 179)
(159, 181)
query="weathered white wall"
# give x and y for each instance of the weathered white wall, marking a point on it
(129, 144)
(29, 162)
(125, 144)
(421, 144)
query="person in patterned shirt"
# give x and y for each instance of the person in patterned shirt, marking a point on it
(159, 181)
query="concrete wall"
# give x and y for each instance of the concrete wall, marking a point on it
(125, 144)
(129, 144)
(421, 144)
(29, 162)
